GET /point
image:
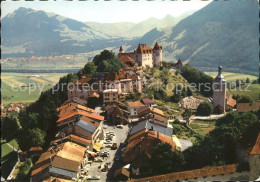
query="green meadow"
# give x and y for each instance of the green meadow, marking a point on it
(24, 87)
(232, 77)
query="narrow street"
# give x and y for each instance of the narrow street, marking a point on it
(119, 138)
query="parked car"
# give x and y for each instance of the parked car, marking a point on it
(123, 149)
(114, 146)
(99, 160)
(93, 177)
(108, 146)
(105, 155)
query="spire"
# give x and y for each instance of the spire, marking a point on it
(157, 46)
(219, 76)
(121, 50)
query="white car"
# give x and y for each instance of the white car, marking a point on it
(99, 160)
(93, 177)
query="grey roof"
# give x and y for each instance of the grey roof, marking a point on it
(86, 126)
(148, 125)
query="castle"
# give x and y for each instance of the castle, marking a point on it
(144, 55)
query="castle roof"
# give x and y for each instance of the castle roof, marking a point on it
(144, 49)
(126, 59)
(157, 46)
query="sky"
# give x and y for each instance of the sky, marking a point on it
(108, 11)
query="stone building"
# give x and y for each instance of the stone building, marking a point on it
(144, 55)
(122, 81)
(219, 91)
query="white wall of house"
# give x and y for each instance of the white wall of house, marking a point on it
(58, 171)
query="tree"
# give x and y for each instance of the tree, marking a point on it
(110, 65)
(25, 169)
(187, 113)
(89, 69)
(165, 160)
(9, 127)
(205, 109)
(245, 99)
(37, 137)
(104, 55)
(247, 80)
(237, 83)
(203, 82)
(162, 158)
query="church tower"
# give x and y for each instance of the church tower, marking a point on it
(157, 55)
(219, 91)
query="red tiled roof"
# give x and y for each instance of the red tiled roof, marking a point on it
(147, 140)
(157, 46)
(117, 112)
(135, 104)
(256, 147)
(83, 80)
(94, 94)
(144, 49)
(146, 101)
(157, 111)
(80, 113)
(81, 140)
(193, 174)
(35, 149)
(126, 59)
(231, 102)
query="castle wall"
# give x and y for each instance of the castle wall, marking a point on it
(157, 57)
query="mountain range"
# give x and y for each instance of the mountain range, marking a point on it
(223, 33)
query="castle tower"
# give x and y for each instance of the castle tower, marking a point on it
(157, 55)
(121, 50)
(219, 90)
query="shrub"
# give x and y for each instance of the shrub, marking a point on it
(205, 109)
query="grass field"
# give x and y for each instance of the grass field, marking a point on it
(252, 90)
(8, 157)
(22, 88)
(202, 127)
(232, 77)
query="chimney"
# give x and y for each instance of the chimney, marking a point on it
(158, 134)
(140, 151)
(152, 128)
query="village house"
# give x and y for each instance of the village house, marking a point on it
(117, 113)
(132, 108)
(80, 124)
(144, 55)
(110, 95)
(229, 172)
(148, 102)
(63, 161)
(140, 147)
(124, 81)
(153, 115)
(82, 128)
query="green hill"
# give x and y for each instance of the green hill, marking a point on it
(225, 32)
